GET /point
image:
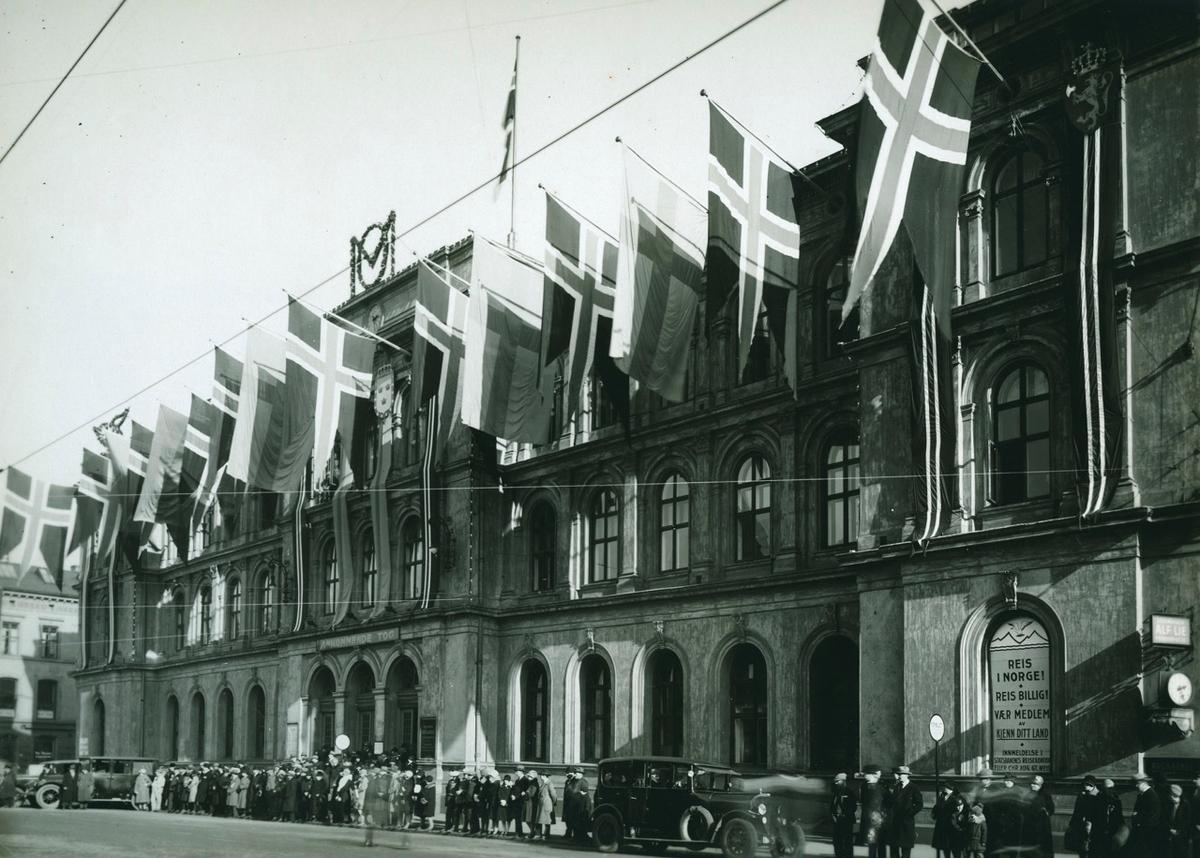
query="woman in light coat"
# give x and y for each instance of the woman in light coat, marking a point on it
(141, 791)
(156, 789)
(546, 799)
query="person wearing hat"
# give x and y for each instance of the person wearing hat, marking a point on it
(944, 811)
(842, 805)
(141, 790)
(1145, 826)
(1086, 828)
(977, 833)
(505, 804)
(1004, 807)
(1193, 799)
(1177, 823)
(902, 820)
(870, 825)
(1038, 837)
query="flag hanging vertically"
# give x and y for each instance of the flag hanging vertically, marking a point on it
(580, 283)
(510, 119)
(439, 321)
(659, 279)
(912, 147)
(252, 448)
(91, 498)
(227, 384)
(380, 522)
(332, 367)
(504, 394)
(753, 234)
(34, 523)
(164, 464)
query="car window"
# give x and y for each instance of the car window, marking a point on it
(101, 765)
(121, 767)
(617, 774)
(682, 776)
(659, 775)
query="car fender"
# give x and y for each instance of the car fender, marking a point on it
(607, 807)
(753, 818)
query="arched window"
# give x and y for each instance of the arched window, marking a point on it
(666, 704)
(100, 629)
(206, 617)
(534, 706)
(370, 570)
(172, 728)
(840, 487)
(225, 723)
(99, 729)
(329, 575)
(266, 602)
(543, 538)
(234, 607)
(674, 520)
(595, 688)
(1021, 436)
(400, 724)
(833, 704)
(835, 334)
(179, 611)
(753, 509)
(413, 586)
(747, 706)
(1020, 214)
(604, 526)
(257, 721)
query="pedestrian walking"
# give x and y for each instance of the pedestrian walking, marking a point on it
(141, 790)
(68, 795)
(947, 806)
(906, 804)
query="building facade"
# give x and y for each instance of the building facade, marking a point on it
(40, 649)
(734, 577)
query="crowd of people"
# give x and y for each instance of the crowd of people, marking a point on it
(370, 791)
(999, 816)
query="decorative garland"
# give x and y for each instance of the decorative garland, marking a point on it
(385, 249)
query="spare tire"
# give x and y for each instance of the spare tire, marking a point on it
(695, 826)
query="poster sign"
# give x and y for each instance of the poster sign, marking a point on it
(1170, 630)
(1019, 673)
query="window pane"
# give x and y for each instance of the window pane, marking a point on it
(1035, 382)
(681, 510)
(1008, 424)
(1007, 177)
(1031, 168)
(1037, 418)
(1004, 238)
(763, 534)
(683, 561)
(1035, 225)
(852, 519)
(1037, 468)
(835, 534)
(1010, 388)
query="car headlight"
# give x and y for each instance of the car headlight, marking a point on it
(762, 810)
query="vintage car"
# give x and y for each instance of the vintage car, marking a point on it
(113, 779)
(659, 802)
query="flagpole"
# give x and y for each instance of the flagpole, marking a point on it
(512, 189)
(974, 46)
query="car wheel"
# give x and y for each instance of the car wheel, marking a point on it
(47, 796)
(695, 825)
(738, 839)
(606, 832)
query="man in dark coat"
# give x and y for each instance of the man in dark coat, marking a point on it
(1005, 812)
(1038, 836)
(842, 805)
(1146, 823)
(906, 804)
(870, 826)
(943, 812)
(1177, 823)
(1086, 831)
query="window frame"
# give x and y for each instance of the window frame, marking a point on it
(50, 687)
(414, 560)
(674, 534)
(543, 546)
(745, 521)
(370, 570)
(997, 487)
(233, 607)
(1018, 192)
(48, 642)
(666, 720)
(849, 497)
(205, 604)
(596, 709)
(12, 638)
(330, 577)
(833, 298)
(749, 654)
(605, 506)
(535, 721)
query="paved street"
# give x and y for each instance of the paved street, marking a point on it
(113, 833)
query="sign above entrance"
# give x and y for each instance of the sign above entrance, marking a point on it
(360, 639)
(1170, 630)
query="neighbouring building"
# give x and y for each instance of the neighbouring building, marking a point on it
(735, 578)
(38, 652)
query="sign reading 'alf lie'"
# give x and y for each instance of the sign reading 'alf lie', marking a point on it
(1019, 665)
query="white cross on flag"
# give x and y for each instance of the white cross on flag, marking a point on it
(34, 523)
(581, 274)
(753, 236)
(912, 146)
(338, 363)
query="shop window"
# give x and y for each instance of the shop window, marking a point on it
(414, 560)
(666, 704)
(753, 513)
(44, 748)
(604, 524)
(674, 521)
(840, 486)
(1021, 436)
(534, 706)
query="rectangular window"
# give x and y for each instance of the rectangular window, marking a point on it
(49, 643)
(12, 639)
(47, 698)
(8, 697)
(44, 748)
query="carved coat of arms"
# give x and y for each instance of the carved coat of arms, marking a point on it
(1089, 93)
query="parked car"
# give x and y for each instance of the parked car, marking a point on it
(660, 802)
(113, 779)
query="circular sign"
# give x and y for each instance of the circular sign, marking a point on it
(1179, 688)
(937, 728)
(342, 741)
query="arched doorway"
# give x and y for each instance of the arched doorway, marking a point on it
(199, 726)
(833, 705)
(360, 707)
(595, 694)
(534, 711)
(746, 681)
(225, 724)
(97, 737)
(256, 721)
(666, 704)
(403, 696)
(172, 750)
(321, 709)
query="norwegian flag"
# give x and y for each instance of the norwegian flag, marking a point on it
(333, 366)
(34, 524)
(912, 148)
(581, 282)
(91, 498)
(227, 385)
(439, 318)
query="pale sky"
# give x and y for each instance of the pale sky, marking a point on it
(204, 157)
